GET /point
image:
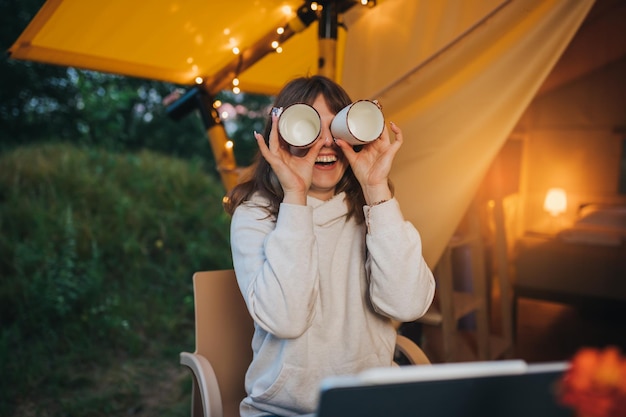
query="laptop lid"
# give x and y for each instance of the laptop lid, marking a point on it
(470, 389)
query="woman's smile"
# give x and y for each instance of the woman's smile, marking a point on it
(330, 164)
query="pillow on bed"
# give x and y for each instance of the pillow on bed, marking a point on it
(611, 217)
(598, 225)
(590, 236)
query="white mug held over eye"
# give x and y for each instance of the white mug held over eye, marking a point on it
(359, 123)
(298, 124)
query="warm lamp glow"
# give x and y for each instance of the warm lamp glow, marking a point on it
(555, 202)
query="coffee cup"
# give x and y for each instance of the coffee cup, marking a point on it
(359, 123)
(299, 125)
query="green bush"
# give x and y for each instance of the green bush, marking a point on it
(96, 299)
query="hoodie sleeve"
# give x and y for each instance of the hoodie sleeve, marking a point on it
(280, 293)
(402, 285)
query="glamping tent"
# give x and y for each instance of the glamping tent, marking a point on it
(496, 89)
(455, 75)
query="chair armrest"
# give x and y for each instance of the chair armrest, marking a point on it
(411, 351)
(206, 381)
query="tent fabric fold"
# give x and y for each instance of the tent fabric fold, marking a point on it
(457, 106)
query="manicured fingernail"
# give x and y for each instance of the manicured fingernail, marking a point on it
(276, 111)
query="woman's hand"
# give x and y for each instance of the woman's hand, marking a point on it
(372, 164)
(294, 172)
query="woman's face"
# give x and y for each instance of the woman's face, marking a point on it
(330, 164)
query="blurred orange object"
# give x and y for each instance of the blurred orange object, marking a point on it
(595, 383)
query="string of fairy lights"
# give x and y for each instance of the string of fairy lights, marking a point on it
(275, 46)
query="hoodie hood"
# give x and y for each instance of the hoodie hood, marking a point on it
(325, 213)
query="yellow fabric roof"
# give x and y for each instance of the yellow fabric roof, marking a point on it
(173, 41)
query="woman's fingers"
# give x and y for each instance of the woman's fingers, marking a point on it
(260, 140)
(274, 141)
(347, 149)
(373, 163)
(397, 132)
(263, 148)
(314, 150)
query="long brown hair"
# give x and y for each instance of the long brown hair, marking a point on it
(261, 177)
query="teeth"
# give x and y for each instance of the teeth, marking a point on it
(326, 158)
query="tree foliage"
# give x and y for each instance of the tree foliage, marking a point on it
(98, 250)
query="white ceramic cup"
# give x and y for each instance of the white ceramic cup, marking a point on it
(359, 123)
(299, 125)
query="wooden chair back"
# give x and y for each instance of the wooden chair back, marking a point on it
(224, 332)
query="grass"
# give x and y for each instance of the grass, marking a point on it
(96, 301)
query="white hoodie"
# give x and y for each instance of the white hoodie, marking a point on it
(323, 292)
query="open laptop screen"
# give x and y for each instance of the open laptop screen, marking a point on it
(472, 389)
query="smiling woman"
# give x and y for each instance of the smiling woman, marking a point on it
(324, 259)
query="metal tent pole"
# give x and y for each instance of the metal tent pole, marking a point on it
(329, 20)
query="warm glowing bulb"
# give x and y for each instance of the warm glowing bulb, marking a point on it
(364, 2)
(236, 90)
(275, 44)
(236, 51)
(279, 49)
(280, 30)
(314, 6)
(286, 10)
(217, 104)
(224, 115)
(228, 144)
(235, 81)
(556, 201)
(199, 80)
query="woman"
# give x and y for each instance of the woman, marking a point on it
(323, 257)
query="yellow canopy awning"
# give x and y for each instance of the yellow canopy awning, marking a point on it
(173, 41)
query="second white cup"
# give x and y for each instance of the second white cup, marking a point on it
(359, 123)
(299, 125)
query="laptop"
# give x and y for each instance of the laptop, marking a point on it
(510, 388)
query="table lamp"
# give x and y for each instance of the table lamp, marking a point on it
(555, 202)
